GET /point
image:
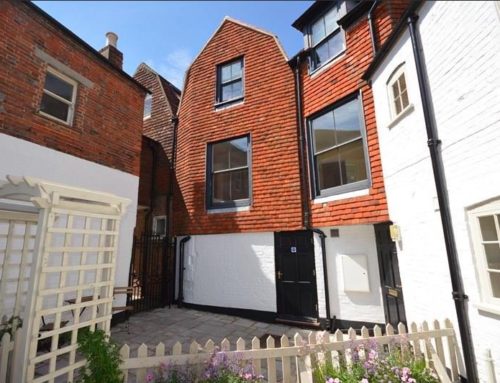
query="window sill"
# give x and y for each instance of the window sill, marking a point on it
(408, 110)
(229, 104)
(488, 307)
(337, 197)
(54, 119)
(316, 72)
(228, 210)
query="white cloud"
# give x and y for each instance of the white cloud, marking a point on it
(173, 66)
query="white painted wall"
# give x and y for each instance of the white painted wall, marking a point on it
(461, 43)
(353, 306)
(23, 158)
(231, 270)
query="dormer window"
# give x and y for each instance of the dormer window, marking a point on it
(230, 81)
(326, 38)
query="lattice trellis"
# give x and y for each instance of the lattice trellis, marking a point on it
(73, 257)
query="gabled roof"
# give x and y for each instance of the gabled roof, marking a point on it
(170, 91)
(238, 22)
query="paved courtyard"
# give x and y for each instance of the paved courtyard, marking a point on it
(169, 325)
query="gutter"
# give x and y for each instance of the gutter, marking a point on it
(180, 298)
(434, 144)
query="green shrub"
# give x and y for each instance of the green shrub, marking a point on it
(103, 358)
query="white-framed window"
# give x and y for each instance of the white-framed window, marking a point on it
(59, 97)
(398, 91)
(326, 38)
(485, 230)
(160, 225)
(148, 106)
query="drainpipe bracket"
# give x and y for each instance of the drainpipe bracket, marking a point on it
(459, 296)
(412, 19)
(433, 142)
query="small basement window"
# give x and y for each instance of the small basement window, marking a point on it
(59, 97)
(148, 106)
(230, 81)
(398, 92)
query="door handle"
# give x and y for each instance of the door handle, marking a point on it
(279, 274)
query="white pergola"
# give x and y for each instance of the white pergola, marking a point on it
(58, 247)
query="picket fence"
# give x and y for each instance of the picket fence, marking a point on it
(294, 359)
(8, 344)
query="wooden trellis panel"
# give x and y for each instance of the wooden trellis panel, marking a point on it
(17, 237)
(75, 290)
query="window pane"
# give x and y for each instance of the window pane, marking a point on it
(220, 156)
(495, 284)
(347, 122)
(239, 184)
(226, 73)
(230, 186)
(237, 89)
(324, 132)
(331, 20)
(221, 187)
(54, 107)
(318, 31)
(397, 105)
(328, 169)
(320, 54)
(227, 92)
(238, 152)
(58, 86)
(335, 44)
(236, 70)
(492, 251)
(395, 90)
(402, 82)
(488, 229)
(148, 103)
(404, 99)
(352, 162)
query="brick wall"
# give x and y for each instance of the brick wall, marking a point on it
(108, 116)
(337, 80)
(268, 114)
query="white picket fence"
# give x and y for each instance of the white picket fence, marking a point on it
(293, 361)
(8, 344)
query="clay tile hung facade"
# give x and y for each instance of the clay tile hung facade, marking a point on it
(353, 184)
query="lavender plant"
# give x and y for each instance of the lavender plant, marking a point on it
(219, 368)
(370, 364)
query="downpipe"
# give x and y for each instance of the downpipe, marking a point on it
(322, 236)
(434, 145)
(373, 36)
(180, 298)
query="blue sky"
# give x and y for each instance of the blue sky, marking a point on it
(168, 35)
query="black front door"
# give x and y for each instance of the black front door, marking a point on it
(389, 276)
(296, 276)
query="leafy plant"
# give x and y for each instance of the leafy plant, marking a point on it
(369, 364)
(10, 326)
(103, 358)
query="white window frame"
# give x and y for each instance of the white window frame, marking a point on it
(157, 218)
(71, 104)
(393, 78)
(488, 209)
(148, 97)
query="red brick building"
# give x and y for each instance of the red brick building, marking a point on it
(68, 113)
(282, 193)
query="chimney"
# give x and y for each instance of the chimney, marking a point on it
(111, 52)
